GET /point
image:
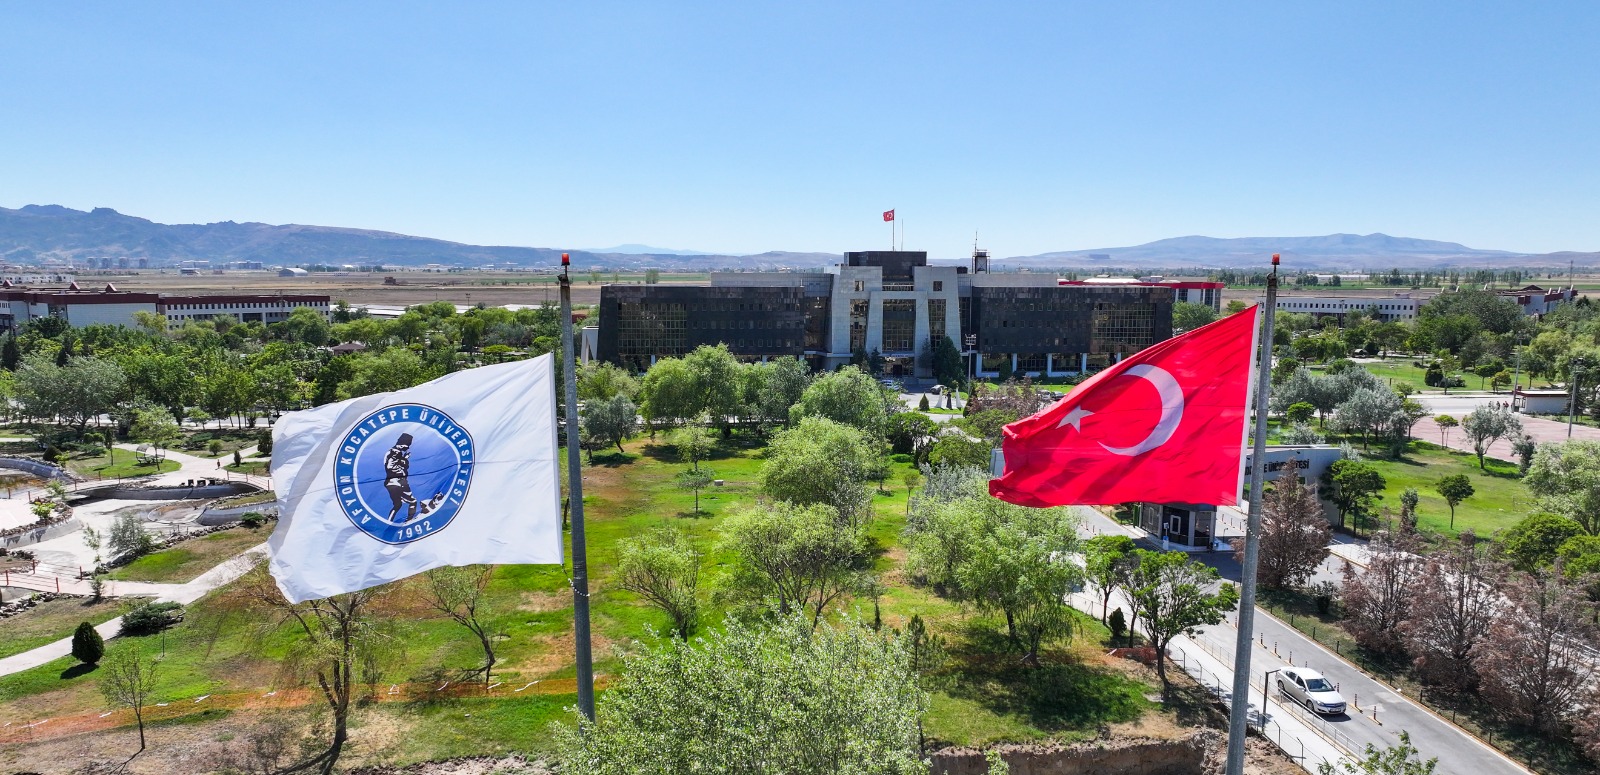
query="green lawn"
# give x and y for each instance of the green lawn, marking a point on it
(125, 465)
(185, 561)
(51, 621)
(1499, 500)
(215, 650)
(1404, 371)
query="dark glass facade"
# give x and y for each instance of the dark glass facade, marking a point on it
(1067, 319)
(644, 321)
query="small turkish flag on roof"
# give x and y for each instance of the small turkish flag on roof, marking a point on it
(1163, 426)
(888, 215)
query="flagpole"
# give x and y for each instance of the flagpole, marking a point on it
(1239, 708)
(580, 549)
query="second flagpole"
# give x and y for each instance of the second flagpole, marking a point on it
(1239, 708)
(580, 550)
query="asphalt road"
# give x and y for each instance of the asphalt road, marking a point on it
(1384, 711)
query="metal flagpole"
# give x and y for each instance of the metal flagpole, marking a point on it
(580, 549)
(1239, 709)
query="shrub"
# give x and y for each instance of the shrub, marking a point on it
(214, 446)
(901, 457)
(87, 645)
(264, 442)
(151, 617)
(923, 404)
(1118, 622)
(252, 519)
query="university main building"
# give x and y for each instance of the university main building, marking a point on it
(895, 304)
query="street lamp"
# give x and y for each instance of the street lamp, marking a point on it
(1266, 681)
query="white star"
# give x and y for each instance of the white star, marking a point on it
(1074, 418)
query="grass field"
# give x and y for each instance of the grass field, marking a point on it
(53, 620)
(1499, 500)
(1405, 372)
(125, 465)
(187, 560)
(988, 696)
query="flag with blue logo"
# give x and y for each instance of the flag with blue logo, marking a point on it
(457, 471)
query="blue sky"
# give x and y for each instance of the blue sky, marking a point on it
(745, 127)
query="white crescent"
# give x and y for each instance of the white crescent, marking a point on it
(1171, 410)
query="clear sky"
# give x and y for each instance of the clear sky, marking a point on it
(753, 126)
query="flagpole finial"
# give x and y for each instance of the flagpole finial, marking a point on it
(1274, 258)
(566, 259)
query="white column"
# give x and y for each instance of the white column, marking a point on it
(1083, 362)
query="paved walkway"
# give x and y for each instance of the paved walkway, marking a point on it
(1540, 428)
(178, 593)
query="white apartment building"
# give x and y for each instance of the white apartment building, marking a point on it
(1400, 307)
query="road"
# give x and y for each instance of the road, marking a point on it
(1384, 711)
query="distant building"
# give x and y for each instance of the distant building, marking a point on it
(1535, 301)
(1399, 307)
(892, 303)
(293, 272)
(76, 306)
(1540, 401)
(1207, 292)
(265, 309)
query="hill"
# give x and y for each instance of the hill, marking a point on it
(35, 233)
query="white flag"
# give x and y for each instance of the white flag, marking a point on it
(456, 471)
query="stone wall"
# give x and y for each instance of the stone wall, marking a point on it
(129, 492)
(222, 515)
(33, 535)
(1194, 755)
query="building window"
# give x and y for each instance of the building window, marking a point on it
(861, 286)
(858, 324)
(936, 319)
(899, 325)
(938, 285)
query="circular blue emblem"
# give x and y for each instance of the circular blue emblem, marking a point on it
(403, 472)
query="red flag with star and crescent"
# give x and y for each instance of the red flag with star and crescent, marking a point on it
(1163, 426)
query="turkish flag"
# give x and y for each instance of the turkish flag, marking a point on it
(888, 215)
(1163, 426)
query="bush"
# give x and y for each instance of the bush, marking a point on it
(1118, 624)
(87, 645)
(264, 442)
(252, 519)
(214, 446)
(901, 457)
(923, 404)
(151, 617)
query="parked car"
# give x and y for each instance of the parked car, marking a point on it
(1307, 687)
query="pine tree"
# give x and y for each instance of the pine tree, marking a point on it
(87, 645)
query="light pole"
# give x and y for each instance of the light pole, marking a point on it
(1572, 400)
(1266, 682)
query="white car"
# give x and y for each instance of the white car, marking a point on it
(1307, 687)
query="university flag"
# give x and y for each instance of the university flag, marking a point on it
(457, 471)
(888, 215)
(1165, 425)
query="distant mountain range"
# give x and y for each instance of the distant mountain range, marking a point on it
(36, 233)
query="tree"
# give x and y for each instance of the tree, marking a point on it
(1536, 541)
(1366, 411)
(946, 363)
(76, 393)
(754, 699)
(798, 555)
(668, 393)
(1294, 534)
(396, 368)
(1356, 487)
(716, 373)
(341, 637)
(784, 381)
(693, 444)
(128, 537)
(10, 355)
(155, 427)
(911, 479)
(1171, 593)
(912, 433)
(611, 421)
(1445, 423)
(128, 678)
(1187, 316)
(1395, 760)
(1452, 607)
(87, 645)
(695, 480)
(1566, 479)
(1409, 497)
(1454, 490)
(663, 568)
(821, 461)
(1376, 602)
(602, 381)
(1016, 568)
(1487, 424)
(457, 592)
(1104, 556)
(849, 396)
(955, 449)
(307, 326)
(1300, 412)
(1531, 665)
